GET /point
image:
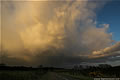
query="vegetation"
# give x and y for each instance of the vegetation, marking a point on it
(20, 75)
(50, 73)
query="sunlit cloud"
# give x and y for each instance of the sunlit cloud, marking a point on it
(42, 31)
(107, 51)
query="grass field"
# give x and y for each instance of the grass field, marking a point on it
(38, 75)
(20, 75)
(28, 73)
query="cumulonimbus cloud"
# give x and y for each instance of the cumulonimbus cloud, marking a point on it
(50, 29)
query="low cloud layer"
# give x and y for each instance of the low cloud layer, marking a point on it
(108, 51)
(55, 33)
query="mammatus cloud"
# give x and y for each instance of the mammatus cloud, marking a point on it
(42, 32)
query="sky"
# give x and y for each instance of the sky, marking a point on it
(111, 14)
(60, 33)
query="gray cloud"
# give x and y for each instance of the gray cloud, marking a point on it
(51, 32)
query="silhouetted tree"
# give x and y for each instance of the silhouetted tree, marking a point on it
(104, 66)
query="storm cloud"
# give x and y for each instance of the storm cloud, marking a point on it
(54, 33)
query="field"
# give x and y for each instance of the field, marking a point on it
(20, 75)
(38, 75)
(50, 73)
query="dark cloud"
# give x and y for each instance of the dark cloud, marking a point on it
(53, 33)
